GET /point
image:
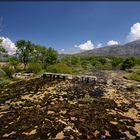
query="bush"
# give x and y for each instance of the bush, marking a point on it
(34, 67)
(131, 87)
(116, 62)
(2, 73)
(134, 76)
(3, 82)
(41, 71)
(86, 64)
(8, 70)
(59, 68)
(128, 63)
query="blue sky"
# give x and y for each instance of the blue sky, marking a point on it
(67, 25)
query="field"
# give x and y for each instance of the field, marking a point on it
(45, 108)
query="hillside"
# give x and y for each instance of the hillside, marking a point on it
(129, 49)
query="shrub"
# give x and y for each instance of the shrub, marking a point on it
(8, 70)
(86, 64)
(41, 71)
(134, 76)
(2, 73)
(59, 68)
(102, 60)
(34, 67)
(3, 82)
(131, 87)
(14, 62)
(128, 63)
(116, 62)
(88, 98)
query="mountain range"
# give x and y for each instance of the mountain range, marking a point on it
(129, 49)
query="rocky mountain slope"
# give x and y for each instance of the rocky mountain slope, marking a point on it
(129, 49)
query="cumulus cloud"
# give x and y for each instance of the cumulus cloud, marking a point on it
(99, 45)
(8, 45)
(112, 42)
(134, 33)
(86, 46)
(62, 50)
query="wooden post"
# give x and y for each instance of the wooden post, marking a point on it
(57, 76)
(44, 76)
(82, 79)
(64, 77)
(87, 79)
(54, 76)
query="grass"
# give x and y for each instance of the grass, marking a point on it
(4, 80)
(131, 87)
(59, 68)
(87, 98)
(42, 71)
(134, 74)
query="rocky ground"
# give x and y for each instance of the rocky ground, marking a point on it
(38, 108)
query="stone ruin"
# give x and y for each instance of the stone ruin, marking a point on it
(76, 78)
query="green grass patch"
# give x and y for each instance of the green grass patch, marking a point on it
(42, 71)
(131, 87)
(133, 76)
(134, 73)
(59, 68)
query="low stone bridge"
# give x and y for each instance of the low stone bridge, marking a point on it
(79, 78)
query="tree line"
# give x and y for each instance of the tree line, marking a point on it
(30, 57)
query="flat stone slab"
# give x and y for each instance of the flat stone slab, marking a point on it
(70, 77)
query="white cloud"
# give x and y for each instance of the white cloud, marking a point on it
(112, 42)
(134, 33)
(62, 50)
(8, 45)
(99, 45)
(86, 46)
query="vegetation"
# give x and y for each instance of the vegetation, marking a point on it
(2, 73)
(2, 49)
(59, 68)
(134, 76)
(24, 51)
(128, 63)
(14, 62)
(34, 67)
(131, 87)
(8, 70)
(37, 59)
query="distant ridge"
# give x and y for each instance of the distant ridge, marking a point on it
(129, 49)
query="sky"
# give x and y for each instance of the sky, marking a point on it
(69, 26)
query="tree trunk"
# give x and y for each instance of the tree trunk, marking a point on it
(25, 66)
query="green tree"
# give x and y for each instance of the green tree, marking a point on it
(115, 62)
(102, 60)
(75, 60)
(40, 54)
(128, 63)
(51, 56)
(24, 51)
(86, 64)
(66, 60)
(71, 60)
